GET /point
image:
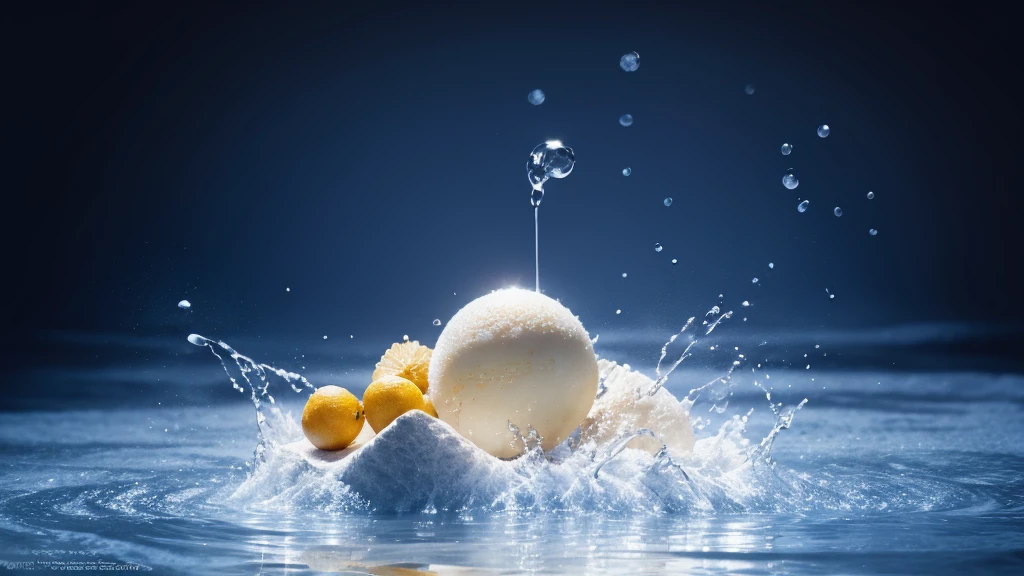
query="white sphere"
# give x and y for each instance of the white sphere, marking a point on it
(514, 356)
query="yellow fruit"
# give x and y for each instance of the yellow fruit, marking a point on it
(332, 418)
(407, 360)
(428, 406)
(387, 398)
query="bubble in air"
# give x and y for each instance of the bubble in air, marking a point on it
(548, 160)
(668, 201)
(184, 304)
(536, 97)
(871, 195)
(749, 89)
(838, 211)
(823, 130)
(630, 62)
(787, 149)
(790, 180)
(873, 232)
(658, 247)
(627, 171)
(802, 207)
(626, 119)
(437, 322)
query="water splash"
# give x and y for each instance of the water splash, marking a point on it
(257, 391)
(548, 160)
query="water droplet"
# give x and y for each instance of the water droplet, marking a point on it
(627, 171)
(823, 130)
(838, 211)
(624, 274)
(626, 119)
(871, 195)
(789, 180)
(831, 296)
(754, 281)
(536, 97)
(548, 160)
(745, 304)
(787, 149)
(287, 289)
(674, 261)
(749, 89)
(771, 265)
(873, 232)
(658, 247)
(802, 207)
(405, 337)
(668, 201)
(630, 62)
(618, 311)
(184, 304)
(325, 336)
(437, 321)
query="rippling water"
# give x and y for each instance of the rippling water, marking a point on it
(880, 473)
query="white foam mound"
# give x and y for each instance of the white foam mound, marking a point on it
(619, 411)
(419, 461)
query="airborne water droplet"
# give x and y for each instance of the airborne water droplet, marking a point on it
(771, 265)
(618, 311)
(325, 336)
(873, 232)
(624, 274)
(536, 97)
(658, 247)
(627, 171)
(184, 304)
(749, 89)
(437, 322)
(823, 130)
(802, 207)
(787, 149)
(871, 195)
(754, 281)
(790, 181)
(630, 62)
(838, 211)
(675, 261)
(626, 119)
(668, 201)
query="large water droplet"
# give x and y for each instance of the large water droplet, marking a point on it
(668, 201)
(838, 211)
(873, 232)
(627, 171)
(184, 304)
(871, 195)
(823, 130)
(790, 180)
(548, 160)
(787, 149)
(658, 247)
(802, 207)
(536, 97)
(630, 62)
(749, 89)
(626, 119)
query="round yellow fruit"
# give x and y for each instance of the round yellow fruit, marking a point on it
(332, 418)
(387, 398)
(407, 360)
(428, 406)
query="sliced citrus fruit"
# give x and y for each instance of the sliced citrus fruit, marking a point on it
(407, 360)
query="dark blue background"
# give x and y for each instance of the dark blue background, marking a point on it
(372, 159)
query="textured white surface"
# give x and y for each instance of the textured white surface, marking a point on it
(513, 356)
(619, 412)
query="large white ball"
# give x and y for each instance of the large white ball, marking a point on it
(513, 356)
